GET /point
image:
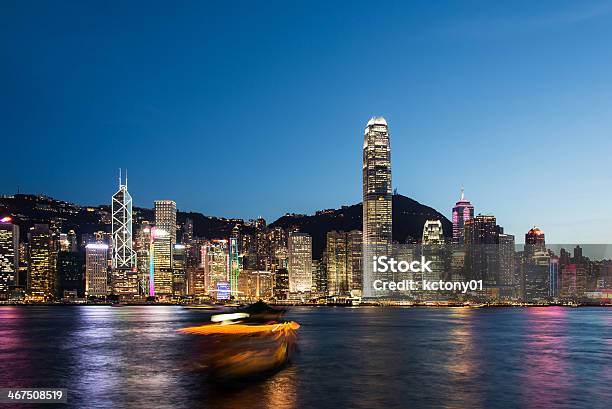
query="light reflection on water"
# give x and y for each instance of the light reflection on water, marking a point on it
(462, 363)
(546, 360)
(349, 357)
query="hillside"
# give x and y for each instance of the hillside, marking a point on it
(408, 219)
(409, 216)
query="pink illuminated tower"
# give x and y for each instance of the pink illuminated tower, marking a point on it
(462, 212)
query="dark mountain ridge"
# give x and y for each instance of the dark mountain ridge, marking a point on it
(409, 216)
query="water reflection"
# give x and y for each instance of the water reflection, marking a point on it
(14, 348)
(547, 379)
(357, 358)
(463, 360)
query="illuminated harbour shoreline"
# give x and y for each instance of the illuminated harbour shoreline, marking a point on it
(363, 304)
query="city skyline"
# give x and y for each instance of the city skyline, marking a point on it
(475, 103)
(450, 216)
(255, 260)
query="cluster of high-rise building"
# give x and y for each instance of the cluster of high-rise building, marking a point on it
(164, 260)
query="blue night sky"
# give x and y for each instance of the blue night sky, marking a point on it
(256, 108)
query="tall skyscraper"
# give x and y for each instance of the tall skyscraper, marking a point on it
(463, 210)
(536, 274)
(70, 273)
(534, 241)
(124, 256)
(300, 262)
(553, 277)
(344, 262)
(165, 217)
(433, 249)
(507, 258)
(281, 284)
(377, 198)
(124, 276)
(481, 236)
(215, 260)
(573, 281)
(96, 270)
(161, 281)
(277, 237)
(9, 256)
(234, 265)
(179, 278)
(163, 245)
(41, 264)
(568, 287)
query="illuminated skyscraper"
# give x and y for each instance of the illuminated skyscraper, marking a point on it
(300, 262)
(573, 280)
(124, 256)
(277, 237)
(377, 198)
(96, 270)
(432, 232)
(234, 265)
(281, 284)
(536, 267)
(537, 275)
(9, 256)
(163, 243)
(507, 256)
(124, 276)
(336, 263)
(179, 283)
(165, 217)
(433, 249)
(41, 264)
(161, 283)
(462, 212)
(215, 260)
(344, 268)
(255, 285)
(568, 281)
(481, 235)
(534, 241)
(553, 277)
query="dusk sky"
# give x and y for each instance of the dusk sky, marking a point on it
(257, 108)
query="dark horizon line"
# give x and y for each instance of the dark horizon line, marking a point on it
(517, 242)
(208, 215)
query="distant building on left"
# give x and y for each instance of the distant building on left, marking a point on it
(96, 270)
(9, 256)
(41, 264)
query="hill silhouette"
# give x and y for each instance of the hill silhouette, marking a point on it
(409, 216)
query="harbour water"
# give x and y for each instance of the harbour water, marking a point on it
(365, 357)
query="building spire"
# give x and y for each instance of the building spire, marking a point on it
(119, 177)
(126, 178)
(462, 193)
